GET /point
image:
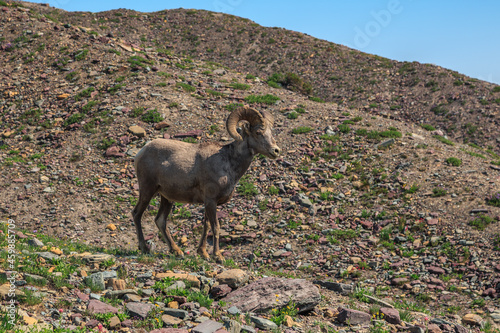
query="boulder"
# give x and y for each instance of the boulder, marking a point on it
(234, 278)
(353, 317)
(273, 292)
(96, 306)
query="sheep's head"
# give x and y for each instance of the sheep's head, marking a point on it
(256, 130)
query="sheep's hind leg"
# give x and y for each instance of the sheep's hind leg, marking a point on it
(137, 212)
(202, 248)
(161, 222)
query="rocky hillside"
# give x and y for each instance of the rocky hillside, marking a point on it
(467, 110)
(379, 215)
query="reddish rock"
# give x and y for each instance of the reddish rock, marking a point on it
(391, 315)
(82, 296)
(114, 151)
(138, 309)
(433, 328)
(489, 292)
(366, 224)
(96, 306)
(353, 317)
(169, 330)
(436, 281)
(435, 270)
(399, 281)
(220, 291)
(432, 222)
(260, 295)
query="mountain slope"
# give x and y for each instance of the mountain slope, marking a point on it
(466, 109)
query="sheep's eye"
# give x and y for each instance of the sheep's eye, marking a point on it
(259, 132)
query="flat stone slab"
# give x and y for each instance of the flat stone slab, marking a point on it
(96, 306)
(48, 256)
(119, 293)
(138, 309)
(273, 292)
(208, 326)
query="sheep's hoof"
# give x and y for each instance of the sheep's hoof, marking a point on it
(177, 252)
(144, 249)
(219, 258)
(203, 253)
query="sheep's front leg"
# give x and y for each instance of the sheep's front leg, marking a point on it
(202, 248)
(211, 214)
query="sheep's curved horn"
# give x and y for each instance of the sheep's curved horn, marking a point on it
(267, 116)
(251, 115)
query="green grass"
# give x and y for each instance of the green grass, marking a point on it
(152, 116)
(428, 127)
(87, 107)
(302, 130)
(246, 187)
(376, 135)
(186, 87)
(214, 92)
(263, 99)
(138, 61)
(292, 115)
(454, 161)
(412, 189)
(344, 128)
(74, 118)
(31, 117)
(240, 86)
(494, 200)
(81, 55)
(444, 140)
(439, 192)
(85, 93)
(316, 99)
(114, 89)
(233, 106)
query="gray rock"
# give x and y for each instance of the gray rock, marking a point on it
(97, 258)
(233, 310)
(33, 277)
(144, 277)
(178, 313)
(208, 326)
(176, 285)
(109, 275)
(263, 323)
(137, 309)
(119, 293)
(260, 295)
(304, 201)
(35, 242)
(96, 280)
(377, 301)
(342, 288)
(48, 256)
(416, 329)
(247, 329)
(232, 326)
(385, 143)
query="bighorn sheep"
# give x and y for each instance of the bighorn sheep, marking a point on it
(203, 173)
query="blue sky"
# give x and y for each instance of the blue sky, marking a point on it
(459, 35)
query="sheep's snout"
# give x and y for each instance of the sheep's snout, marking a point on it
(274, 152)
